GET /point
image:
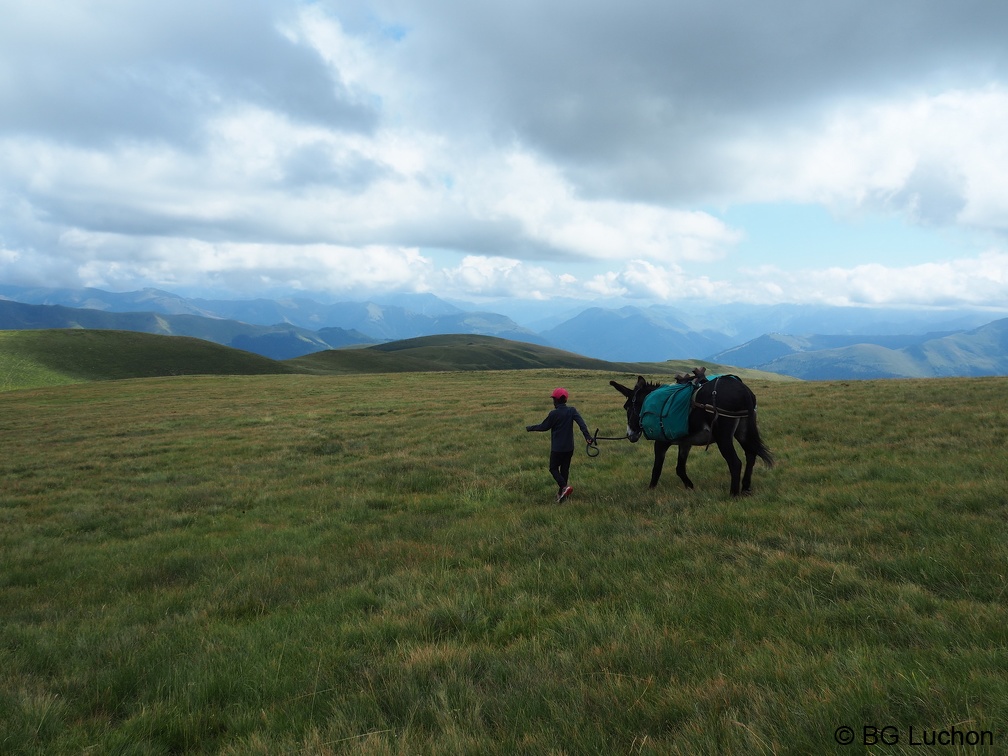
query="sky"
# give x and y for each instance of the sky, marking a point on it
(646, 151)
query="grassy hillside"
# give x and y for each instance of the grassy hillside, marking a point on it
(982, 351)
(470, 352)
(448, 352)
(979, 352)
(55, 357)
(375, 564)
(861, 361)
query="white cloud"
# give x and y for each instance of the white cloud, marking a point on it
(975, 282)
(641, 279)
(490, 277)
(934, 158)
(557, 149)
(535, 197)
(237, 268)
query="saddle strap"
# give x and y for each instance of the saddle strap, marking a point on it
(713, 409)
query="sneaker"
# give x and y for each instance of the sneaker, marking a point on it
(565, 493)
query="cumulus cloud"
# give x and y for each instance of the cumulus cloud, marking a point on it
(91, 74)
(553, 148)
(233, 268)
(933, 158)
(490, 277)
(637, 99)
(980, 281)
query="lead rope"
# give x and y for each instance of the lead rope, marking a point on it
(593, 446)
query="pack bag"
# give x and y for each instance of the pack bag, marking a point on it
(665, 413)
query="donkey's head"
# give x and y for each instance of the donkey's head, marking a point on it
(634, 402)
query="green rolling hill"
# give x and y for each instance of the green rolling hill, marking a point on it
(54, 357)
(457, 352)
(59, 356)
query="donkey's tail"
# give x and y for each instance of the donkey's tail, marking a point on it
(753, 436)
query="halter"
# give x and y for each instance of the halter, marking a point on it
(637, 408)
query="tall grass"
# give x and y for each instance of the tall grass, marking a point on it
(375, 564)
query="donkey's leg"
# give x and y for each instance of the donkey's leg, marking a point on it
(725, 436)
(680, 468)
(660, 449)
(750, 462)
(750, 456)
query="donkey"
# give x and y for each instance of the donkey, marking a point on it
(721, 409)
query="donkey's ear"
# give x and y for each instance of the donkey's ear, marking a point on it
(640, 381)
(621, 388)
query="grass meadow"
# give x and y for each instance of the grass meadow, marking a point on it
(375, 564)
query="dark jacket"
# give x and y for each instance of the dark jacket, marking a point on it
(561, 424)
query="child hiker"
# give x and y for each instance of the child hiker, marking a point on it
(560, 424)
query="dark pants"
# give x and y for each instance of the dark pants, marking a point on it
(559, 467)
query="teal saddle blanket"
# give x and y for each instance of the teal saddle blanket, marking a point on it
(665, 413)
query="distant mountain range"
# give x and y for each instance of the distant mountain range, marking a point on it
(810, 342)
(976, 352)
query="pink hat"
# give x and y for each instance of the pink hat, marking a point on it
(560, 393)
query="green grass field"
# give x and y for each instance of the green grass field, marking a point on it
(375, 564)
